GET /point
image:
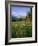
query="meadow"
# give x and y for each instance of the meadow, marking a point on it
(21, 29)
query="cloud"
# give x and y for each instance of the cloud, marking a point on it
(19, 15)
(12, 13)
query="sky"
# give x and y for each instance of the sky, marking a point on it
(19, 11)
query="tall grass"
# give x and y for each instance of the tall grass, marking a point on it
(20, 29)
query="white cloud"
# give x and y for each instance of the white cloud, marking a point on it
(19, 15)
(13, 13)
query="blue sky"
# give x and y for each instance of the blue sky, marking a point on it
(19, 11)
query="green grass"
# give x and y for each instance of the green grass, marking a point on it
(21, 29)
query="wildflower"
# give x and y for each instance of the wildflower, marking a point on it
(23, 24)
(16, 25)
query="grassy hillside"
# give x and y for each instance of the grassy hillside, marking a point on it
(21, 29)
